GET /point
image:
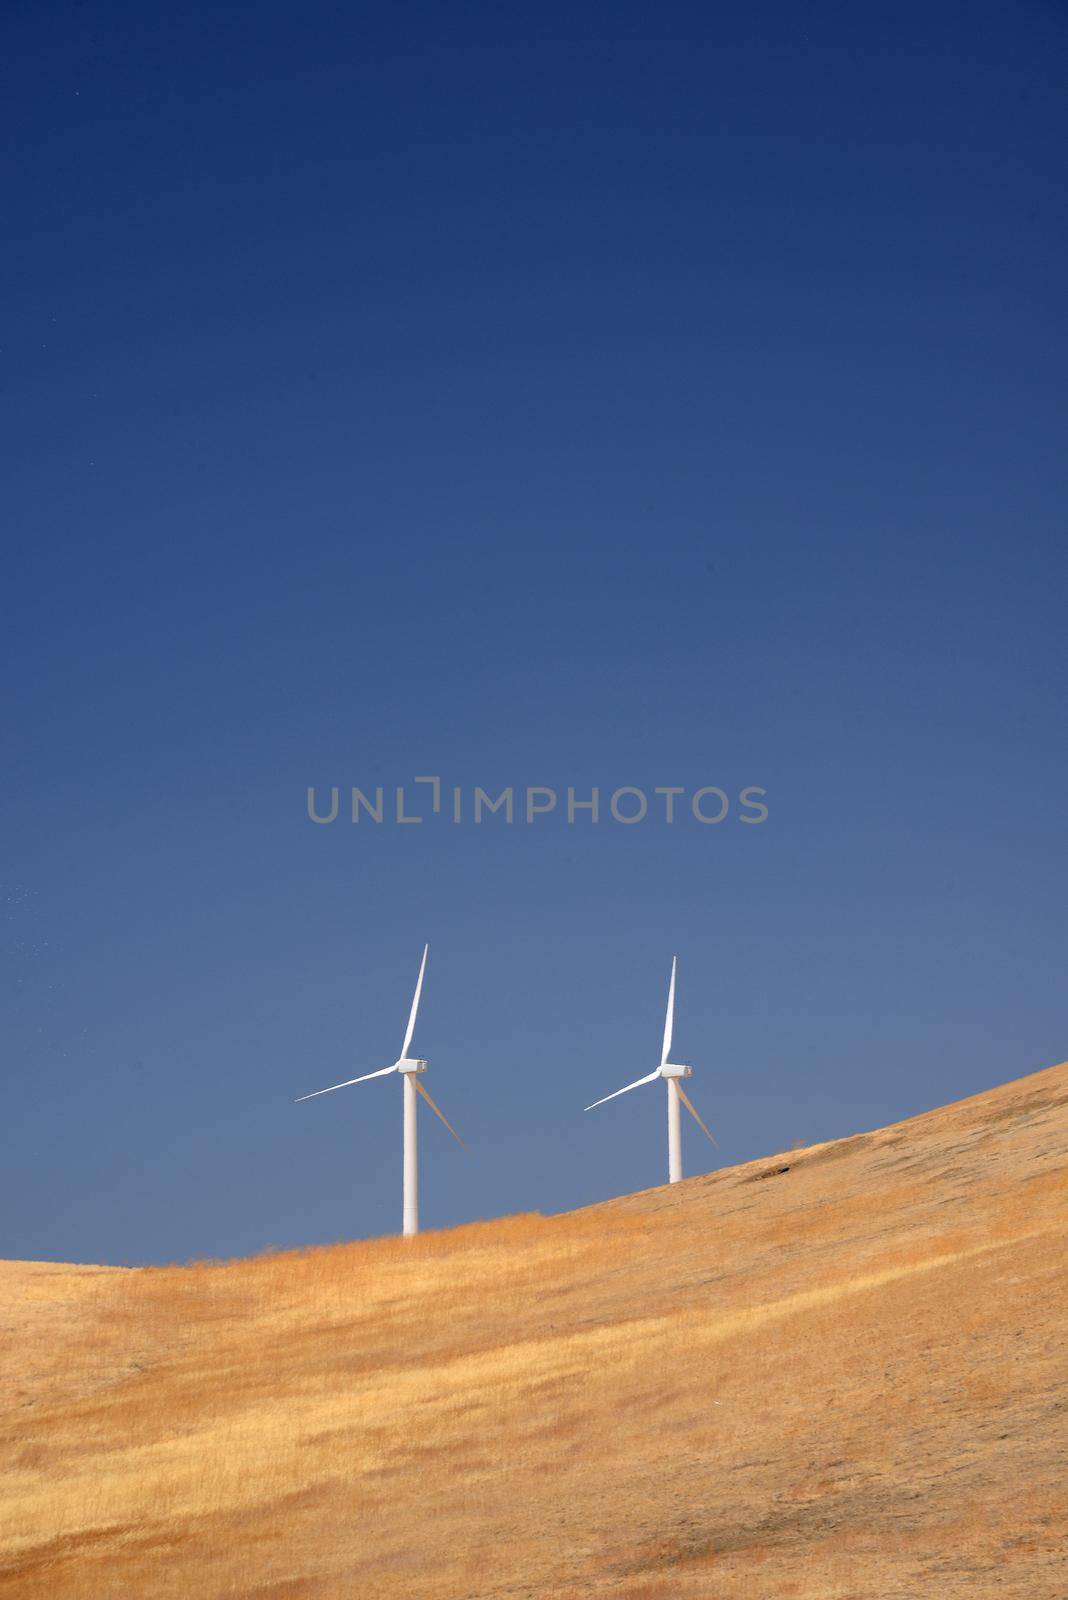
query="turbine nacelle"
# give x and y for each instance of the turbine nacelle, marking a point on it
(671, 1069)
(410, 1064)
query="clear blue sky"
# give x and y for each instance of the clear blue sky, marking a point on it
(614, 395)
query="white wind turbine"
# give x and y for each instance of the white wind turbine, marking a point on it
(673, 1075)
(410, 1068)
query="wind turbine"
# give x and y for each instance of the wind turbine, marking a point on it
(409, 1067)
(673, 1074)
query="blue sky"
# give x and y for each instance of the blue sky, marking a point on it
(551, 396)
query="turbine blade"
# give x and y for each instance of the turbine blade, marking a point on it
(669, 1020)
(688, 1103)
(438, 1111)
(381, 1073)
(635, 1085)
(415, 1004)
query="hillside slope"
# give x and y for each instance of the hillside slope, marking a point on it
(837, 1372)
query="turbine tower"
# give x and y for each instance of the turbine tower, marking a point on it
(410, 1068)
(673, 1075)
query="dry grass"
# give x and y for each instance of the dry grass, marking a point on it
(842, 1380)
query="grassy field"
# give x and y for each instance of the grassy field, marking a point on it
(839, 1372)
